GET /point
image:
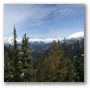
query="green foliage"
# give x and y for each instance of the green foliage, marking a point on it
(79, 65)
(26, 61)
(15, 60)
(7, 71)
(55, 66)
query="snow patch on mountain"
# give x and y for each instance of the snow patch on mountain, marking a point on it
(76, 35)
(8, 40)
(47, 40)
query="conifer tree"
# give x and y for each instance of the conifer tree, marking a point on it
(68, 70)
(7, 72)
(56, 67)
(26, 61)
(15, 62)
(69, 66)
(39, 69)
(53, 67)
(79, 65)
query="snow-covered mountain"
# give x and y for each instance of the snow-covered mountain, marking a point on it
(9, 40)
(76, 35)
(40, 46)
(47, 40)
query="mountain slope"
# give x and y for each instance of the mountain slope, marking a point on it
(41, 46)
(76, 35)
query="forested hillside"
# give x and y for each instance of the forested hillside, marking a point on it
(56, 62)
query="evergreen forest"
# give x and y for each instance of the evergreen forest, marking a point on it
(55, 66)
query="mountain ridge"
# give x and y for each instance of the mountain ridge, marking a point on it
(46, 40)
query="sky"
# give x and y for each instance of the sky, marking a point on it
(43, 20)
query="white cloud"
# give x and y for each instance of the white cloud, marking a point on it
(15, 14)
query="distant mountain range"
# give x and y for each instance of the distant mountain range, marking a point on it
(9, 40)
(41, 46)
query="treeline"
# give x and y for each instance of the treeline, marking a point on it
(19, 66)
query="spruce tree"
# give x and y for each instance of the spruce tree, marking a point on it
(53, 62)
(26, 61)
(16, 59)
(69, 66)
(79, 65)
(56, 67)
(39, 69)
(68, 70)
(7, 71)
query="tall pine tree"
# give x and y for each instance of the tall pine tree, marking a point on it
(53, 68)
(56, 67)
(26, 61)
(16, 60)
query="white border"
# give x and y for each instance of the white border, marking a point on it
(86, 84)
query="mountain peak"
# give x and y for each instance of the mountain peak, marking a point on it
(8, 40)
(76, 35)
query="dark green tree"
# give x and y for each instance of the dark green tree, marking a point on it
(68, 69)
(69, 66)
(78, 65)
(15, 60)
(26, 61)
(7, 67)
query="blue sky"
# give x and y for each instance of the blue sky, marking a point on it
(43, 20)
